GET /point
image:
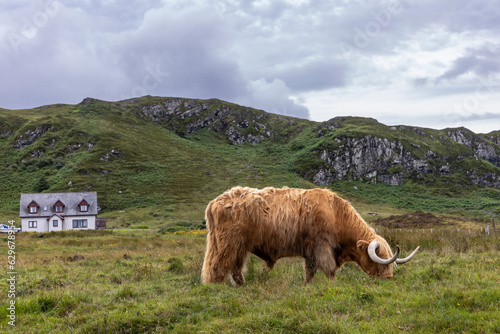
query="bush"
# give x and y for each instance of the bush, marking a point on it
(175, 265)
(46, 303)
(183, 226)
(139, 227)
(170, 229)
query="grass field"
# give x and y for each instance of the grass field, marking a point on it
(141, 281)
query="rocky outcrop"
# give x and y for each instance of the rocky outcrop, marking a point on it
(113, 154)
(486, 179)
(5, 133)
(37, 154)
(374, 159)
(29, 136)
(238, 125)
(89, 100)
(328, 125)
(371, 159)
(482, 149)
(76, 146)
(493, 138)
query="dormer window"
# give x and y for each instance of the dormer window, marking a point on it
(84, 206)
(33, 207)
(59, 206)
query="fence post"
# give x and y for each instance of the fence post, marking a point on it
(494, 227)
(487, 229)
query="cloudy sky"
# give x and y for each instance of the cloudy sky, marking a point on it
(429, 63)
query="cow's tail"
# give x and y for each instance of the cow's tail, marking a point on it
(208, 270)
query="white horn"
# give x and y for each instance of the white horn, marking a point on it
(372, 247)
(406, 259)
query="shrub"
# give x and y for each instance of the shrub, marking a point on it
(175, 265)
(46, 303)
(139, 227)
(183, 226)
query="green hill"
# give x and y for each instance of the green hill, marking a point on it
(156, 160)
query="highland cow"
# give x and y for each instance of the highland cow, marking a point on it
(271, 223)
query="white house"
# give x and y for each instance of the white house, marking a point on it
(58, 211)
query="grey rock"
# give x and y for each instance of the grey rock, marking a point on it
(445, 169)
(480, 147)
(392, 179)
(5, 133)
(368, 159)
(112, 154)
(323, 177)
(30, 136)
(36, 154)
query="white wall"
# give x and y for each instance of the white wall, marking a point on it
(67, 224)
(41, 225)
(59, 225)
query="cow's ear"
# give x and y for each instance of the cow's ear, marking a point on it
(362, 244)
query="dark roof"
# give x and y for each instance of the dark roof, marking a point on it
(46, 202)
(55, 215)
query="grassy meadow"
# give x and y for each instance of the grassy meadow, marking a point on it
(142, 281)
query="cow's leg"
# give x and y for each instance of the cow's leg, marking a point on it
(264, 256)
(309, 268)
(239, 264)
(270, 264)
(319, 255)
(217, 273)
(217, 265)
(214, 269)
(325, 259)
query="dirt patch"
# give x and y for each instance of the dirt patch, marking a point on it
(417, 219)
(77, 257)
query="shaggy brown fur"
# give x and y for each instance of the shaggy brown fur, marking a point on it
(273, 223)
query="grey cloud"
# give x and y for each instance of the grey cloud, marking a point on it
(481, 62)
(478, 117)
(419, 82)
(92, 49)
(274, 96)
(193, 55)
(116, 16)
(267, 55)
(314, 76)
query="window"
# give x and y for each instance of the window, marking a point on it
(55, 223)
(59, 206)
(32, 224)
(84, 206)
(79, 223)
(33, 207)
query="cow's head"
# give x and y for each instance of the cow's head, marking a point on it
(376, 257)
